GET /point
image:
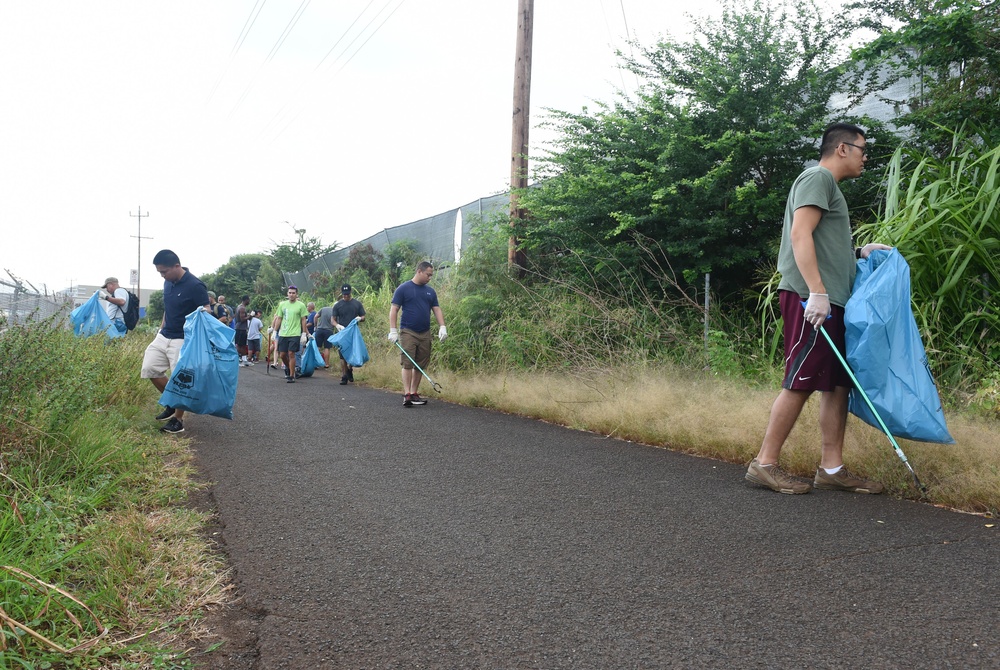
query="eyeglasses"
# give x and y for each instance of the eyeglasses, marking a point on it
(863, 147)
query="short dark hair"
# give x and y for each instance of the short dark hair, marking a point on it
(424, 265)
(837, 134)
(166, 257)
(245, 298)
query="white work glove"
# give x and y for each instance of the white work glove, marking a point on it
(442, 333)
(817, 309)
(868, 248)
(303, 339)
(270, 330)
(103, 295)
(339, 327)
(393, 335)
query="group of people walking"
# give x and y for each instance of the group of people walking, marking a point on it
(292, 326)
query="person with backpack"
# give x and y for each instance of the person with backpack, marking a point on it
(117, 302)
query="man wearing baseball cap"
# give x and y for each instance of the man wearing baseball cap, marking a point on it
(116, 299)
(346, 310)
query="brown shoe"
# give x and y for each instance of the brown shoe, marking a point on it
(844, 480)
(775, 478)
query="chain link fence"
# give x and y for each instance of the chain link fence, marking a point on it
(21, 303)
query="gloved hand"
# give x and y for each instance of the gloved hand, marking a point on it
(393, 335)
(303, 338)
(817, 309)
(868, 248)
(103, 295)
(270, 331)
(442, 333)
(339, 327)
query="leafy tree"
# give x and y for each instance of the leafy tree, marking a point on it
(701, 159)
(269, 281)
(949, 49)
(293, 256)
(398, 259)
(154, 310)
(236, 277)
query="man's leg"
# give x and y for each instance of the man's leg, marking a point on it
(784, 413)
(832, 423)
(408, 380)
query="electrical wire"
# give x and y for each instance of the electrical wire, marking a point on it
(251, 19)
(356, 51)
(270, 56)
(340, 39)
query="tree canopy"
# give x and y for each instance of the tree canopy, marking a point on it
(701, 158)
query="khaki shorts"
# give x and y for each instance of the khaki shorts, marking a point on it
(160, 357)
(417, 345)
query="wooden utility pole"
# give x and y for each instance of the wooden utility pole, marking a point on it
(138, 239)
(519, 141)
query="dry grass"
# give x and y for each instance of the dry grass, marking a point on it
(722, 418)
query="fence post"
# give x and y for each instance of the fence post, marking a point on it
(707, 362)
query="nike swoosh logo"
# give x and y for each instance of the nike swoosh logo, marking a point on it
(802, 379)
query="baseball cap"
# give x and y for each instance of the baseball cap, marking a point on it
(346, 288)
(211, 294)
(110, 280)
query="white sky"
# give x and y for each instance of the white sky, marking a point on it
(107, 106)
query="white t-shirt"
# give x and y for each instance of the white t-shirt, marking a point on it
(113, 310)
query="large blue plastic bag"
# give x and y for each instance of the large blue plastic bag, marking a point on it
(351, 344)
(91, 318)
(204, 381)
(311, 359)
(886, 353)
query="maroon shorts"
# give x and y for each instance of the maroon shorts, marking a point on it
(810, 364)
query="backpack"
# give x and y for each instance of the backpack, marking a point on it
(131, 315)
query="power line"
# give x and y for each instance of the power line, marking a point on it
(628, 39)
(251, 19)
(379, 27)
(340, 39)
(270, 56)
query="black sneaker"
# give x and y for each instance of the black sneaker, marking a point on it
(407, 402)
(165, 414)
(343, 380)
(289, 379)
(173, 426)
(417, 400)
(350, 374)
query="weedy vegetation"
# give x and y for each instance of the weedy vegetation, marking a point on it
(101, 565)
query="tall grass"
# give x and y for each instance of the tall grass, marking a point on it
(943, 215)
(95, 551)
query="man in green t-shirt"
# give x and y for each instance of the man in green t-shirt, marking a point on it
(817, 265)
(290, 325)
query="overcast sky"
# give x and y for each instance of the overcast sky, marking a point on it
(360, 115)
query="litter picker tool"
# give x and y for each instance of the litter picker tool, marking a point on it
(434, 384)
(892, 440)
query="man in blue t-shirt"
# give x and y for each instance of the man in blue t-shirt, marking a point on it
(418, 301)
(183, 293)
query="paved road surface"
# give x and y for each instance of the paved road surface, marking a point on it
(366, 535)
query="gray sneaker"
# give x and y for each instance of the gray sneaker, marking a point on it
(845, 480)
(775, 478)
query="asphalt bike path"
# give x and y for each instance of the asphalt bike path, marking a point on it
(368, 535)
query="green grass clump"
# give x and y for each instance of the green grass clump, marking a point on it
(95, 553)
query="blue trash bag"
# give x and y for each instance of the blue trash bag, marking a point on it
(886, 353)
(91, 318)
(204, 381)
(351, 344)
(311, 359)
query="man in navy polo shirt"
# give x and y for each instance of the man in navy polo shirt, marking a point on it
(183, 293)
(417, 301)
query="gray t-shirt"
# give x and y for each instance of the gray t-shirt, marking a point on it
(816, 186)
(323, 319)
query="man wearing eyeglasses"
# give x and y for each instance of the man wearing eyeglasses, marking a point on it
(817, 265)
